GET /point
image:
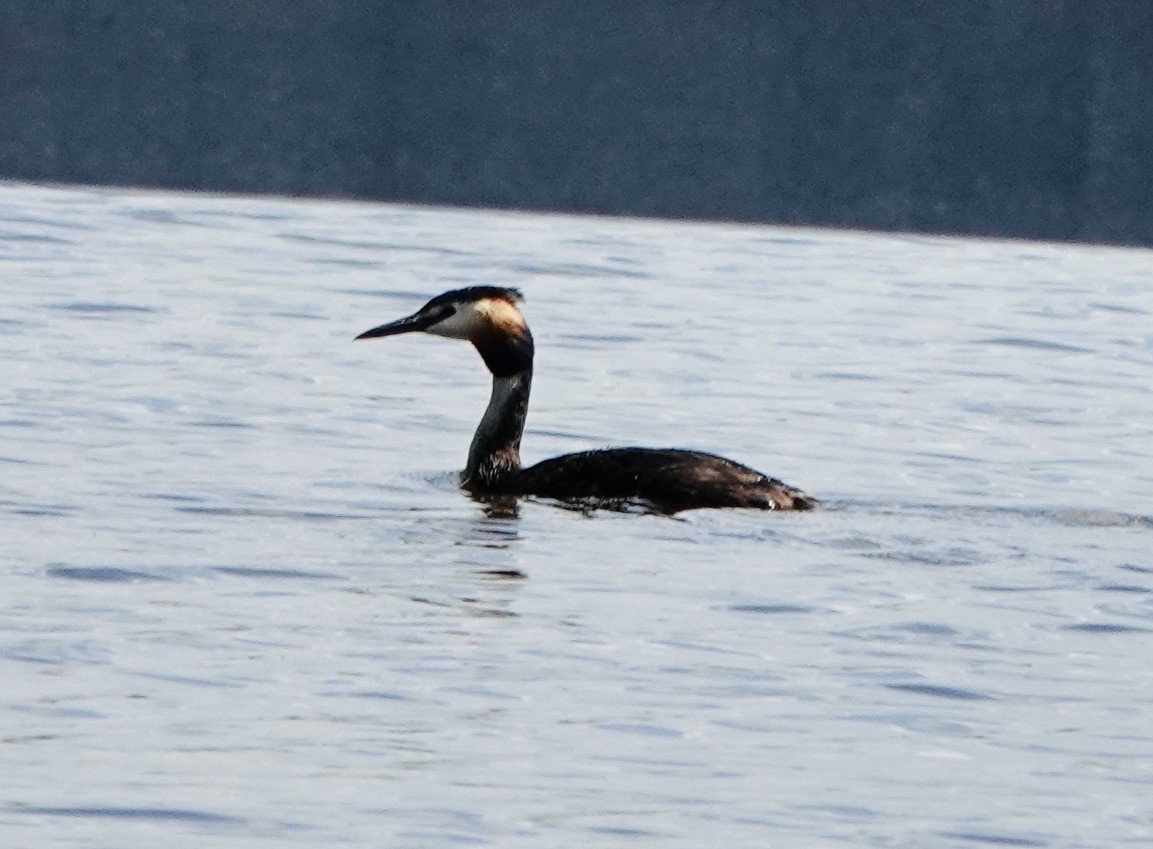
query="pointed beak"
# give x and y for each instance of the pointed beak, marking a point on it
(412, 324)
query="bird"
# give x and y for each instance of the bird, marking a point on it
(665, 480)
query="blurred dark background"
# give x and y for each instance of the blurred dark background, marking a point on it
(1030, 118)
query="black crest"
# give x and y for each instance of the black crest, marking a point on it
(475, 293)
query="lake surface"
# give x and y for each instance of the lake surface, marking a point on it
(244, 603)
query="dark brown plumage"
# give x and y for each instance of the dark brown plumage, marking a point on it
(667, 479)
(671, 479)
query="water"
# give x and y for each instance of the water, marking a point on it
(245, 605)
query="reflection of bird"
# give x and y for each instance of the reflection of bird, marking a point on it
(669, 479)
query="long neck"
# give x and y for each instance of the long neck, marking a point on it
(495, 451)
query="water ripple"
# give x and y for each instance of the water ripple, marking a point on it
(228, 569)
(1037, 344)
(940, 692)
(102, 574)
(92, 308)
(126, 813)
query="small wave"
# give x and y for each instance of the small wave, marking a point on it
(993, 839)
(771, 609)
(102, 574)
(1106, 628)
(1037, 344)
(178, 814)
(250, 572)
(941, 692)
(269, 513)
(93, 308)
(1071, 516)
(8, 236)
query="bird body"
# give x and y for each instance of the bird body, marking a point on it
(669, 479)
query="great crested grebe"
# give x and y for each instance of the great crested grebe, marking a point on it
(669, 479)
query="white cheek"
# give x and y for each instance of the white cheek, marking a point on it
(459, 325)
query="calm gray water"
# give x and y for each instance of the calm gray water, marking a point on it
(244, 604)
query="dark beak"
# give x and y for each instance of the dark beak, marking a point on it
(413, 324)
